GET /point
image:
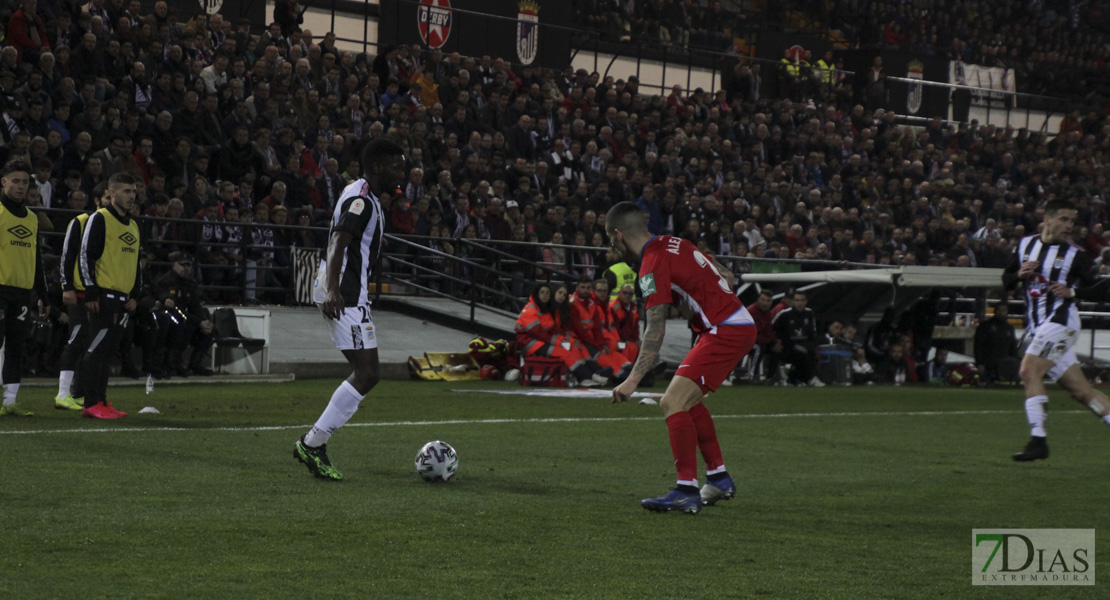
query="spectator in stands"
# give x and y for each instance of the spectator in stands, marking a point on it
(554, 257)
(27, 32)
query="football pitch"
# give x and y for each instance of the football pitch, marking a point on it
(844, 493)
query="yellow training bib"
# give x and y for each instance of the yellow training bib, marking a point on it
(18, 249)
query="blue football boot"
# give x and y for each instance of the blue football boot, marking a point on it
(676, 499)
(720, 487)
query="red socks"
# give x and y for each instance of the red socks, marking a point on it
(707, 438)
(684, 445)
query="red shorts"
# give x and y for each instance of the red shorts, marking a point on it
(713, 358)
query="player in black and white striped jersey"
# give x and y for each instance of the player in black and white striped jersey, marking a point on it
(1055, 272)
(341, 290)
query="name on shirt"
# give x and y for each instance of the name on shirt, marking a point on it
(672, 245)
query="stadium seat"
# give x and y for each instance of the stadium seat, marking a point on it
(229, 338)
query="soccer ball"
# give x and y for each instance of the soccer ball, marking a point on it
(437, 461)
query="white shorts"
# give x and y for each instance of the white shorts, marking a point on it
(353, 330)
(1056, 343)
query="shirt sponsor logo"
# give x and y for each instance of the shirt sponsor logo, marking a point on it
(647, 285)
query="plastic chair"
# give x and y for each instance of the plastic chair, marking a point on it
(228, 336)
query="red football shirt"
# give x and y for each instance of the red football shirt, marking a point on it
(672, 270)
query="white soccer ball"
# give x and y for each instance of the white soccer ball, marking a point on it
(437, 461)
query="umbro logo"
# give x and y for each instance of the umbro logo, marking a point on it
(21, 232)
(128, 239)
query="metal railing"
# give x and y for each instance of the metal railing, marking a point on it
(486, 275)
(212, 277)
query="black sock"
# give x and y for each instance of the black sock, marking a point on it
(688, 489)
(716, 476)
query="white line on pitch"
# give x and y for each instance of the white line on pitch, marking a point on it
(925, 413)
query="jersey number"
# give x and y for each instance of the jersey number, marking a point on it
(22, 314)
(705, 263)
(365, 314)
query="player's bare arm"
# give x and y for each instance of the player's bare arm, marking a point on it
(333, 304)
(649, 352)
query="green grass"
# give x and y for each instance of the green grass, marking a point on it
(832, 505)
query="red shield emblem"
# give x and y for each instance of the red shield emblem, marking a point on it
(433, 18)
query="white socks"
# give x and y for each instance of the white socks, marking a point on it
(65, 380)
(10, 390)
(1035, 410)
(344, 402)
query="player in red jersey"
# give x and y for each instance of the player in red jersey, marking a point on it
(673, 271)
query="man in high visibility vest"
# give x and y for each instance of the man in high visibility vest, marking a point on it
(622, 275)
(791, 74)
(21, 277)
(109, 262)
(73, 297)
(826, 72)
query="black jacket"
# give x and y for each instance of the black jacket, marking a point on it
(796, 327)
(994, 340)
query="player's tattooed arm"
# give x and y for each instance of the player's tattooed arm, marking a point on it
(652, 342)
(649, 353)
(723, 270)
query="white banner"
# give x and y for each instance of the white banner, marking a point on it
(992, 80)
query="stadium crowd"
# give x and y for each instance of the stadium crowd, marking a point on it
(1056, 47)
(680, 24)
(231, 129)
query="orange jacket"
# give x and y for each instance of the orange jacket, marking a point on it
(626, 321)
(533, 329)
(588, 320)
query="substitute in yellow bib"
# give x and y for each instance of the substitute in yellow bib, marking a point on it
(71, 388)
(21, 277)
(109, 265)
